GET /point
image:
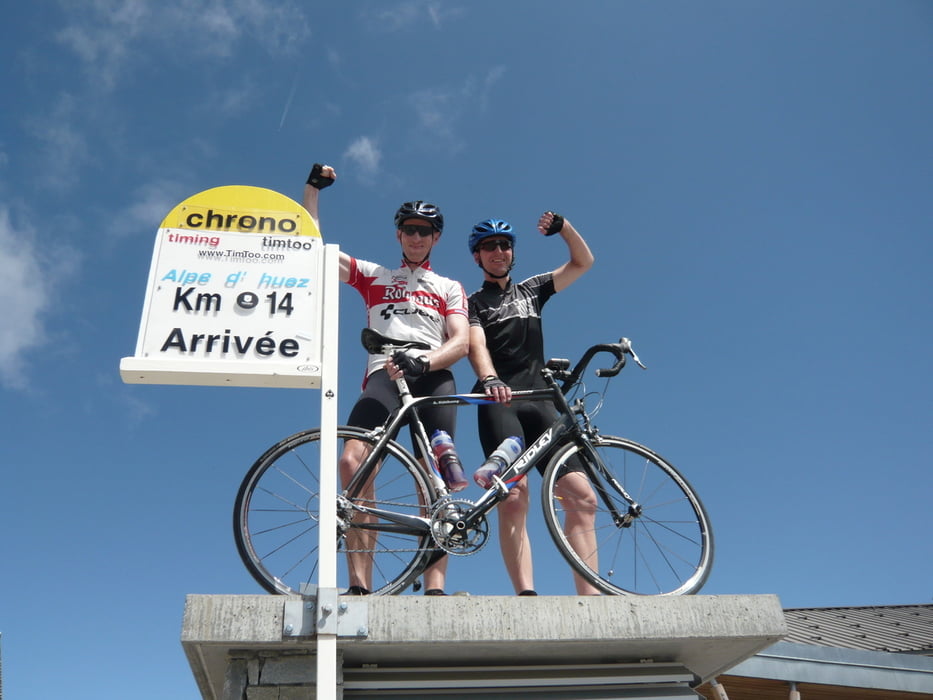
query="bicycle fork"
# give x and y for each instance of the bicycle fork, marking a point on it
(594, 461)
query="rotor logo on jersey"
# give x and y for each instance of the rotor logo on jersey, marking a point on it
(396, 293)
(427, 300)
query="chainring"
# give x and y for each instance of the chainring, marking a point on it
(452, 534)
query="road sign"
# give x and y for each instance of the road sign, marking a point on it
(234, 296)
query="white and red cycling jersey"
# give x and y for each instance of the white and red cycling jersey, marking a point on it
(406, 303)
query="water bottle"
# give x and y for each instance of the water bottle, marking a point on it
(447, 461)
(497, 462)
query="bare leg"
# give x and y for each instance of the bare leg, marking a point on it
(360, 543)
(579, 504)
(513, 537)
(435, 576)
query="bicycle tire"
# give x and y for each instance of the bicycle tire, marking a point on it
(667, 549)
(276, 514)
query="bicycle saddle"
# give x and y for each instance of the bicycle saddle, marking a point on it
(374, 342)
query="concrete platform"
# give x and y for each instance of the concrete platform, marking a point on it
(414, 642)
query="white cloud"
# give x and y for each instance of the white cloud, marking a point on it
(365, 155)
(232, 99)
(403, 15)
(218, 26)
(106, 34)
(391, 19)
(492, 77)
(63, 147)
(102, 34)
(439, 110)
(150, 205)
(25, 301)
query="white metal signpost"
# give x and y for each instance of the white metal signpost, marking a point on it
(242, 291)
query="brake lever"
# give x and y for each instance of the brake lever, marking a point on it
(627, 348)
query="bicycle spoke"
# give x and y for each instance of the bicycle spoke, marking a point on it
(286, 501)
(277, 514)
(657, 543)
(298, 482)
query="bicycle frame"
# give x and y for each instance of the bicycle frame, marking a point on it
(565, 424)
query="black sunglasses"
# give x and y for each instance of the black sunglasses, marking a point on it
(412, 229)
(490, 246)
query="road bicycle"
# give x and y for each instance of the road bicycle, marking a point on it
(652, 533)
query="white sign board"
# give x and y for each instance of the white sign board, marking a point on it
(234, 296)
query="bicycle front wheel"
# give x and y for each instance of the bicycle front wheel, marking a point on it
(275, 520)
(642, 531)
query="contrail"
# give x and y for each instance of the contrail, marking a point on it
(288, 102)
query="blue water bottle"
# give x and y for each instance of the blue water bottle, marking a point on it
(497, 462)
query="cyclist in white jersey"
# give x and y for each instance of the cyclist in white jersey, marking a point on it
(409, 302)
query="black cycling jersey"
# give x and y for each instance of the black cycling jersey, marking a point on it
(511, 319)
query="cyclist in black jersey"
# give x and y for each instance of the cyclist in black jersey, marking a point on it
(507, 352)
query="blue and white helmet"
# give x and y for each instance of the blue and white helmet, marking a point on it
(490, 227)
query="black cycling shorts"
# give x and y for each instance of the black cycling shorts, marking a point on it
(380, 397)
(526, 419)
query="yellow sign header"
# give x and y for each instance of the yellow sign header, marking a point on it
(242, 209)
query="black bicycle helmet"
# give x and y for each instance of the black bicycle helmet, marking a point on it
(420, 210)
(490, 227)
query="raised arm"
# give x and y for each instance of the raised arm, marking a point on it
(581, 259)
(322, 176)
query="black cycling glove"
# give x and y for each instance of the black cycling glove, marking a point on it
(412, 365)
(493, 382)
(556, 224)
(318, 181)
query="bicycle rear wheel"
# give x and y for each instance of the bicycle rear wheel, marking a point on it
(662, 546)
(275, 520)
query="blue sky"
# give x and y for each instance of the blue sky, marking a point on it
(754, 179)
